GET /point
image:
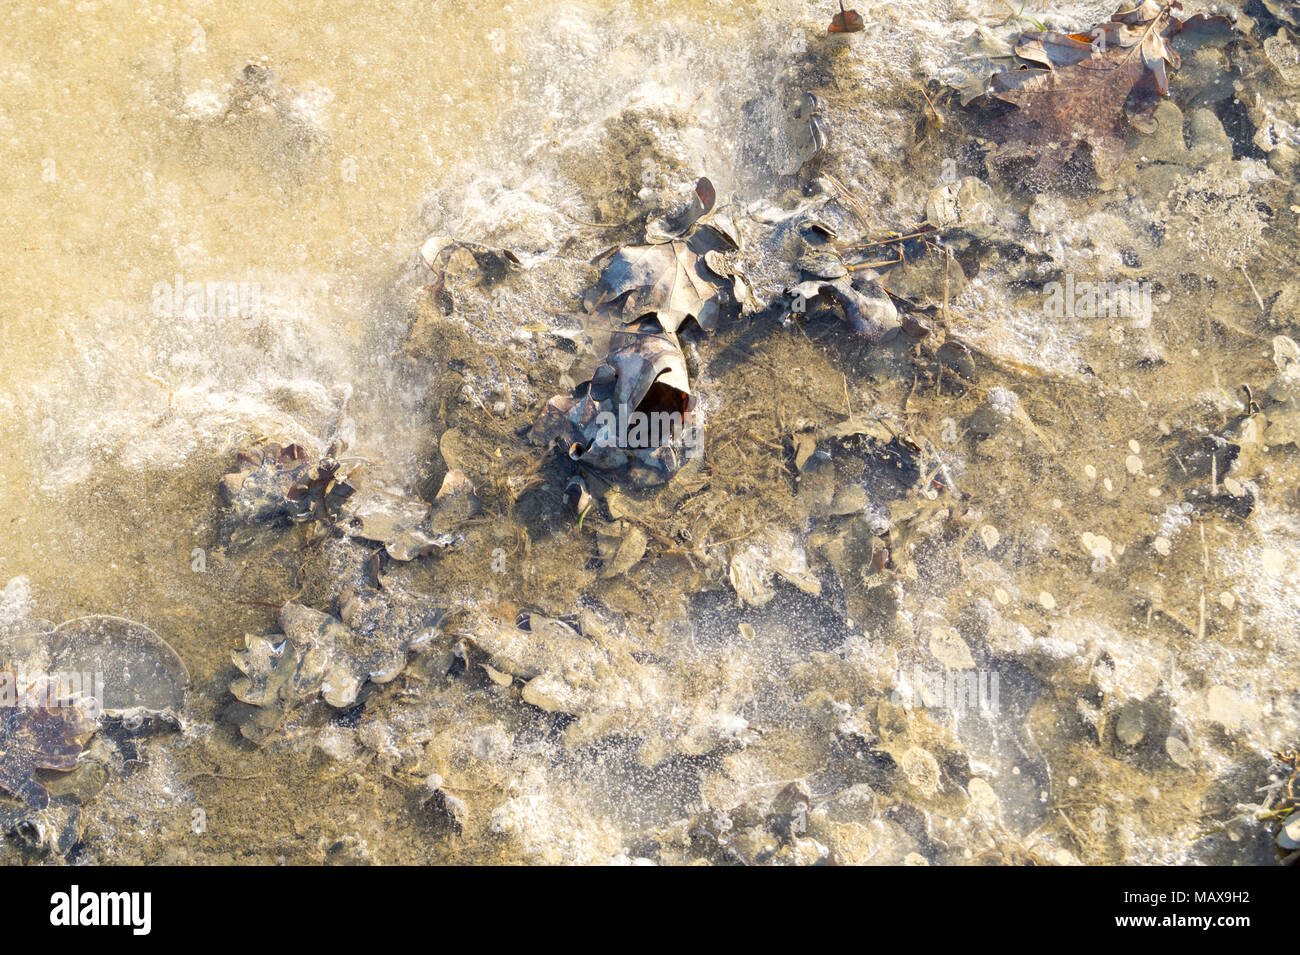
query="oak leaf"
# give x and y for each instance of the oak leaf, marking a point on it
(1073, 90)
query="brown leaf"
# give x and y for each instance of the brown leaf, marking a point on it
(670, 281)
(40, 728)
(1074, 88)
(846, 21)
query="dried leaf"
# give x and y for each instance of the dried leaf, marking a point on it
(478, 264)
(1075, 89)
(333, 657)
(869, 310)
(701, 204)
(39, 729)
(846, 21)
(274, 486)
(409, 528)
(670, 281)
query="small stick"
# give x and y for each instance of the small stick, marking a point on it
(1258, 298)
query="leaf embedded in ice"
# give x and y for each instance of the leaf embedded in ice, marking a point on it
(40, 728)
(1074, 89)
(670, 281)
(319, 654)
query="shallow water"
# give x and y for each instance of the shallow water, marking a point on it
(1061, 551)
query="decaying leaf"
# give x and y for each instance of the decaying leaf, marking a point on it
(621, 546)
(39, 729)
(274, 485)
(636, 410)
(754, 561)
(846, 21)
(701, 204)
(865, 306)
(121, 667)
(331, 657)
(410, 528)
(807, 131)
(477, 264)
(669, 280)
(1073, 90)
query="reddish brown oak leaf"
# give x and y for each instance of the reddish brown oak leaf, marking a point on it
(1073, 90)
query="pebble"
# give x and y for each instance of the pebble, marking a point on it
(1134, 464)
(1178, 752)
(1131, 725)
(982, 794)
(1289, 837)
(989, 534)
(1046, 600)
(950, 649)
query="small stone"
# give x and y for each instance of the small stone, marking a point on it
(1178, 752)
(950, 649)
(1289, 836)
(1046, 600)
(1131, 725)
(989, 534)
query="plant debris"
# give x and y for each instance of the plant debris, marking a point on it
(1074, 90)
(41, 728)
(274, 486)
(846, 21)
(331, 657)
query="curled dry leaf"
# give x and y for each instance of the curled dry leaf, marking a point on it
(846, 21)
(700, 205)
(865, 306)
(636, 410)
